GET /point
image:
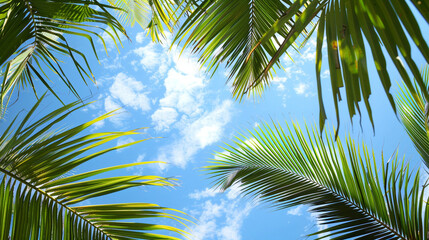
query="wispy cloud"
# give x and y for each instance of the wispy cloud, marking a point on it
(208, 192)
(301, 89)
(196, 134)
(184, 106)
(220, 216)
(122, 141)
(130, 92)
(296, 211)
(109, 105)
(164, 117)
(140, 37)
(320, 225)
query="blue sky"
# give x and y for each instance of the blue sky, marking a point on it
(195, 115)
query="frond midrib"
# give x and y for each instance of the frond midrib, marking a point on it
(330, 191)
(10, 174)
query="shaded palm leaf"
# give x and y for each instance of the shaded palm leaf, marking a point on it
(40, 199)
(413, 113)
(32, 39)
(252, 35)
(343, 185)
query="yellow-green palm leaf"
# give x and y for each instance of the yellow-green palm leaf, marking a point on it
(153, 15)
(41, 199)
(413, 112)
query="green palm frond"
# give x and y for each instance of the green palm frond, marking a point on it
(153, 15)
(40, 199)
(250, 36)
(413, 112)
(33, 39)
(228, 31)
(356, 196)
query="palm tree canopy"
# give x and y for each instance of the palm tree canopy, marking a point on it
(250, 36)
(344, 185)
(33, 41)
(34, 37)
(40, 199)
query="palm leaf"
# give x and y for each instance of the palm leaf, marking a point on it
(33, 40)
(40, 199)
(228, 31)
(413, 112)
(250, 36)
(350, 193)
(152, 15)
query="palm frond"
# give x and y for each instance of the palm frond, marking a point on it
(250, 36)
(352, 194)
(228, 31)
(153, 15)
(40, 199)
(33, 40)
(413, 112)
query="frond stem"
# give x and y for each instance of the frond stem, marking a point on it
(52, 198)
(336, 195)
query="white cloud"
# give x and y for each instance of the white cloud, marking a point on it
(196, 134)
(320, 225)
(234, 191)
(222, 220)
(296, 211)
(109, 105)
(208, 192)
(164, 117)
(208, 128)
(222, 216)
(309, 54)
(206, 227)
(234, 221)
(112, 63)
(138, 170)
(325, 74)
(98, 125)
(140, 37)
(122, 141)
(301, 88)
(129, 92)
(149, 56)
(125, 92)
(183, 107)
(279, 80)
(154, 59)
(183, 92)
(141, 157)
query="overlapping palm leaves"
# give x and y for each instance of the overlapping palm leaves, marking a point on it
(32, 41)
(413, 111)
(356, 194)
(41, 199)
(152, 15)
(250, 36)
